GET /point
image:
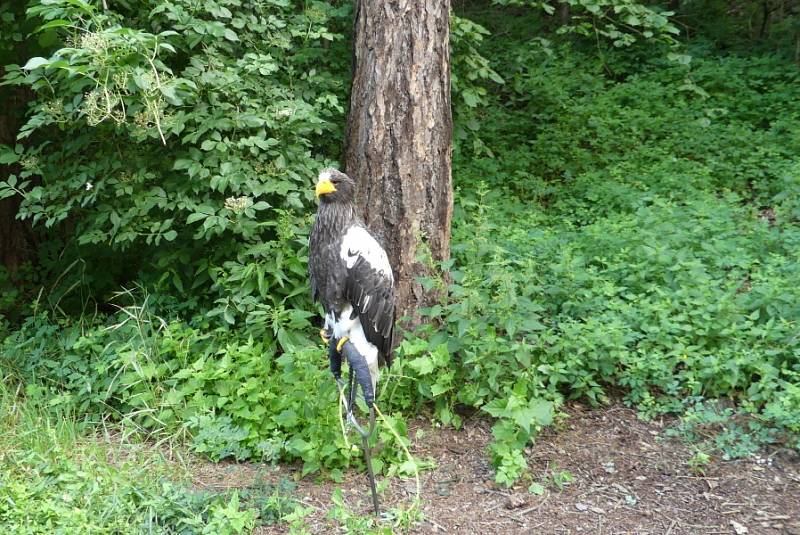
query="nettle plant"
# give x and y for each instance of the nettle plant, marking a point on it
(621, 22)
(190, 135)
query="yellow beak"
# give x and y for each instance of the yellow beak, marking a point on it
(323, 187)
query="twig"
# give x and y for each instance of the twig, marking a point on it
(408, 454)
(496, 492)
(341, 418)
(492, 508)
(437, 526)
(158, 84)
(534, 508)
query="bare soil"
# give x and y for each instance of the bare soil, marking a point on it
(627, 478)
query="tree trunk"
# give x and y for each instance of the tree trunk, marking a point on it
(399, 136)
(13, 249)
(563, 14)
(765, 13)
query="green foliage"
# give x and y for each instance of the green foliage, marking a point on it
(236, 398)
(175, 148)
(187, 135)
(697, 463)
(620, 22)
(754, 26)
(728, 431)
(627, 225)
(561, 478)
(471, 73)
(53, 479)
(351, 522)
(395, 520)
(645, 255)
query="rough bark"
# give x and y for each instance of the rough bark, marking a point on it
(399, 135)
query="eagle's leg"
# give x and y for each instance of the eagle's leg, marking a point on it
(358, 365)
(335, 359)
(359, 372)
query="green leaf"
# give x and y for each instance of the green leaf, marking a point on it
(423, 365)
(7, 156)
(536, 489)
(197, 216)
(57, 23)
(632, 20)
(35, 63)
(287, 418)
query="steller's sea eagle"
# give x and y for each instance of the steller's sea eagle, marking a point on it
(351, 275)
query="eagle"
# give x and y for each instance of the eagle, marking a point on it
(351, 276)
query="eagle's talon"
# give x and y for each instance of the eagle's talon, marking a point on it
(325, 334)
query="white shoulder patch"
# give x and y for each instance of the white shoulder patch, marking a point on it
(357, 242)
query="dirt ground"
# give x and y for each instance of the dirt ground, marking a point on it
(626, 479)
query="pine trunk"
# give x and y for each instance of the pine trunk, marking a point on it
(399, 136)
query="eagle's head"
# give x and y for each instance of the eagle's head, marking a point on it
(334, 186)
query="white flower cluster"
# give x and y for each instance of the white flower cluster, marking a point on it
(99, 105)
(30, 163)
(55, 109)
(238, 205)
(121, 81)
(95, 42)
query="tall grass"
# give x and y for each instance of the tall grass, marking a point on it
(56, 478)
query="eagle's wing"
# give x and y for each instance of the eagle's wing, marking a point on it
(369, 287)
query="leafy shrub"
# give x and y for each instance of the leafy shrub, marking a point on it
(236, 398)
(185, 134)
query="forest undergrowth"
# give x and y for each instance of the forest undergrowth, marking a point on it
(627, 225)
